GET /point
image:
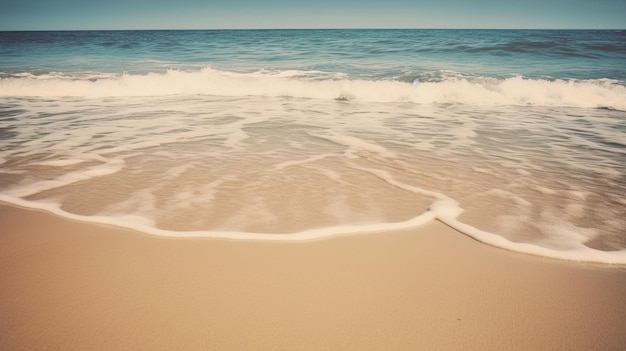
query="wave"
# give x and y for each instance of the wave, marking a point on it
(449, 88)
(443, 208)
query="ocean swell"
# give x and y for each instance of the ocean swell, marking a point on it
(449, 88)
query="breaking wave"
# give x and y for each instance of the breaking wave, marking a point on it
(446, 88)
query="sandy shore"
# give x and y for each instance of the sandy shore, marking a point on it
(77, 286)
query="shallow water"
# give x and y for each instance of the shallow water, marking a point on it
(294, 147)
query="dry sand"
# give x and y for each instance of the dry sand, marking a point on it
(67, 285)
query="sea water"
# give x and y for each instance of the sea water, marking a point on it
(516, 138)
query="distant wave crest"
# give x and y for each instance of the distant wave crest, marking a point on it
(448, 88)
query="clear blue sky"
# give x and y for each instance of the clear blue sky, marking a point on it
(208, 14)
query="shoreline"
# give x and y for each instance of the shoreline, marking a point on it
(76, 285)
(590, 256)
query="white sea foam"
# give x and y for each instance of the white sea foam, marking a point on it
(28, 189)
(286, 164)
(354, 144)
(483, 92)
(60, 163)
(510, 196)
(443, 208)
(154, 163)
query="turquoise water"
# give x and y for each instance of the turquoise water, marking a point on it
(516, 138)
(371, 54)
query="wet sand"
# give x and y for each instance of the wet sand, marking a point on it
(70, 285)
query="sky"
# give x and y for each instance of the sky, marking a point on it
(251, 14)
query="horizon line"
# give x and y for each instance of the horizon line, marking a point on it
(307, 28)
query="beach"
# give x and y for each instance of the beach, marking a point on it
(331, 189)
(72, 285)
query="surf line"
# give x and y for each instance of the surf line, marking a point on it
(443, 208)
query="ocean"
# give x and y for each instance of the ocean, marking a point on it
(516, 138)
